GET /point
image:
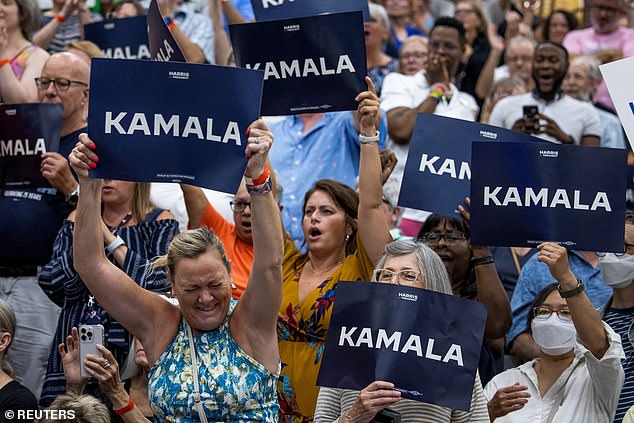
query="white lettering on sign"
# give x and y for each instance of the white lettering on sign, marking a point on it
(542, 198)
(162, 126)
(25, 147)
(165, 53)
(267, 3)
(412, 344)
(142, 52)
(448, 166)
(293, 69)
(488, 134)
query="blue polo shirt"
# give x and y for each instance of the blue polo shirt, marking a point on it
(535, 276)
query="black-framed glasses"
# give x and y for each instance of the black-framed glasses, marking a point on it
(452, 238)
(626, 246)
(239, 206)
(403, 277)
(543, 313)
(61, 84)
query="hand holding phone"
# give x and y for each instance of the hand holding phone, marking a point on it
(89, 337)
(531, 119)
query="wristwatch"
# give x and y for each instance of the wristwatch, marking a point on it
(369, 140)
(73, 197)
(572, 292)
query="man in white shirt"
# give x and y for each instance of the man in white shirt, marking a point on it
(560, 118)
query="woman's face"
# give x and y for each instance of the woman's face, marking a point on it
(402, 269)
(413, 57)
(140, 359)
(397, 8)
(558, 28)
(203, 288)
(324, 225)
(117, 192)
(466, 14)
(455, 253)
(9, 15)
(376, 33)
(126, 10)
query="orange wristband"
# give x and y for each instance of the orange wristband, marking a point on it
(171, 25)
(59, 18)
(260, 179)
(122, 411)
(4, 62)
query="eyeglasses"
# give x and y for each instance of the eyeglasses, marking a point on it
(451, 238)
(626, 246)
(61, 84)
(543, 313)
(239, 206)
(403, 277)
(414, 55)
(459, 12)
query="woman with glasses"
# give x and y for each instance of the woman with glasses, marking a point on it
(377, 34)
(473, 275)
(413, 55)
(345, 235)
(578, 375)
(413, 264)
(20, 59)
(132, 232)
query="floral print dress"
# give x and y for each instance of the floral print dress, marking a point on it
(302, 329)
(234, 387)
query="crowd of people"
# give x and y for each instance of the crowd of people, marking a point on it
(217, 307)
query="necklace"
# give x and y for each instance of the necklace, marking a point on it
(327, 270)
(115, 229)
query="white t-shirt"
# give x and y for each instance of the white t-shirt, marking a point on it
(586, 392)
(410, 91)
(574, 117)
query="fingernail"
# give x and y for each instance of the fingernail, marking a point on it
(92, 165)
(248, 130)
(93, 146)
(95, 159)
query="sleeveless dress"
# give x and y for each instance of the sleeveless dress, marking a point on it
(302, 328)
(234, 387)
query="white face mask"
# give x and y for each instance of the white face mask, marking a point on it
(554, 336)
(618, 272)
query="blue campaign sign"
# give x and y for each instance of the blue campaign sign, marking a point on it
(523, 194)
(275, 10)
(310, 65)
(426, 343)
(26, 132)
(163, 46)
(120, 38)
(438, 168)
(179, 122)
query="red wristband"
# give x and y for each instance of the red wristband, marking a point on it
(260, 179)
(171, 25)
(125, 409)
(60, 18)
(4, 62)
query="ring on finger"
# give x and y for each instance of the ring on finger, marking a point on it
(256, 140)
(548, 254)
(105, 364)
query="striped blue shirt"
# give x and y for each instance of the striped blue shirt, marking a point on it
(620, 320)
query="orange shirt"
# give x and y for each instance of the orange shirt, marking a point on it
(239, 253)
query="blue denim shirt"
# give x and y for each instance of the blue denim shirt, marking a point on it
(535, 276)
(330, 150)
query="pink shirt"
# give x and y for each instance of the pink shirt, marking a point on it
(588, 41)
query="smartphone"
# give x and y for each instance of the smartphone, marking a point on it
(89, 337)
(387, 416)
(530, 113)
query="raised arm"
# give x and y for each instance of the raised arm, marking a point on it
(585, 317)
(138, 310)
(196, 203)
(254, 323)
(373, 228)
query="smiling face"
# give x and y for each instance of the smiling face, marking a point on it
(203, 288)
(407, 266)
(549, 69)
(465, 12)
(9, 15)
(577, 83)
(324, 225)
(456, 257)
(558, 28)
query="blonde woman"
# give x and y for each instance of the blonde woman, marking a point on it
(133, 232)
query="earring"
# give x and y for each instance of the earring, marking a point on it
(347, 237)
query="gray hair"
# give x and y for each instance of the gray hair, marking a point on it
(430, 265)
(8, 325)
(592, 66)
(377, 9)
(87, 409)
(29, 13)
(521, 39)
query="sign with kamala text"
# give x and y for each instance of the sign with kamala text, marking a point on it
(177, 122)
(618, 78)
(438, 169)
(163, 46)
(311, 65)
(120, 38)
(26, 132)
(424, 342)
(274, 10)
(523, 194)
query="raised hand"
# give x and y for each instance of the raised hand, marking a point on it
(83, 157)
(259, 143)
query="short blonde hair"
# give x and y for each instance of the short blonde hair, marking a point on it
(91, 49)
(8, 325)
(87, 408)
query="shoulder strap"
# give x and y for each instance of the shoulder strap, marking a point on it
(559, 399)
(153, 215)
(192, 348)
